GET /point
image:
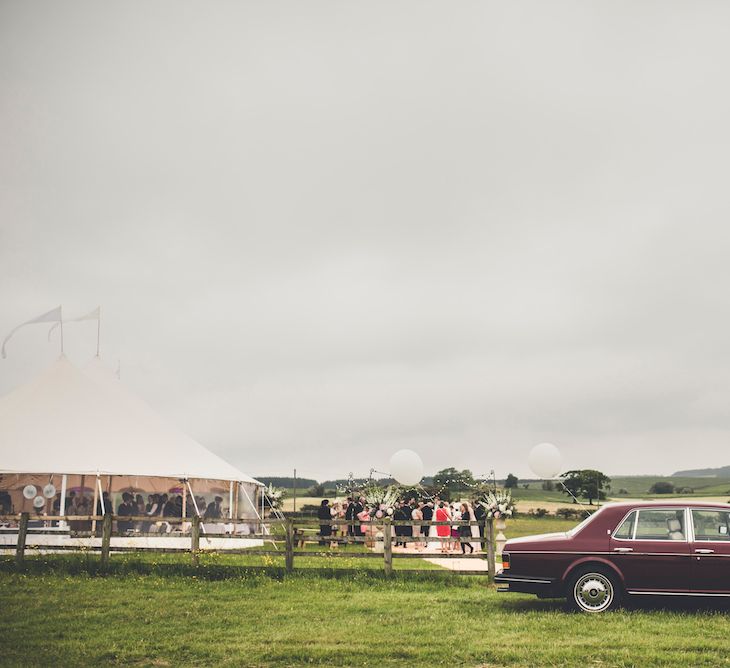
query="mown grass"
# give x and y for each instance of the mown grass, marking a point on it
(363, 619)
(159, 610)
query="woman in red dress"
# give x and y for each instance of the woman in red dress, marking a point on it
(443, 531)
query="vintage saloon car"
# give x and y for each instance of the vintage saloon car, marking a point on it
(649, 548)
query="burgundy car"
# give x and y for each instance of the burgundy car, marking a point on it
(650, 548)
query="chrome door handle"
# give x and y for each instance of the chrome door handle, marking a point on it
(704, 551)
(623, 549)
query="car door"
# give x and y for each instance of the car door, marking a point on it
(652, 551)
(710, 550)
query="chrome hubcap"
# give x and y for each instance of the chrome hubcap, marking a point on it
(593, 592)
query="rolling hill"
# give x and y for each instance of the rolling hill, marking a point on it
(722, 472)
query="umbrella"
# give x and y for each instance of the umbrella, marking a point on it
(81, 490)
(175, 490)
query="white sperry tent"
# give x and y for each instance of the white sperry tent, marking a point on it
(84, 431)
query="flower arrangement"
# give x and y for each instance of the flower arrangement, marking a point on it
(498, 504)
(275, 496)
(381, 498)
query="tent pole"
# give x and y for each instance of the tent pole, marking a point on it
(93, 505)
(195, 504)
(253, 505)
(230, 500)
(101, 496)
(62, 507)
(235, 500)
(185, 501)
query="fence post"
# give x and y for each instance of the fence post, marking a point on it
(387, 548)
(491, 566)
(22, 533)
(195, 540)
(106, 539)
(289, 559)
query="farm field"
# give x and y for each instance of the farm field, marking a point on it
(636, 487)
(260, 620)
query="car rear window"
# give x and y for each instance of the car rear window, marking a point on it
(626, 530)
(661, 525)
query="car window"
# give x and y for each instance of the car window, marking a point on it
(661, 525)
(711, 524)
(626, 530)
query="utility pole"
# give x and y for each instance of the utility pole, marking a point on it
(295, 490)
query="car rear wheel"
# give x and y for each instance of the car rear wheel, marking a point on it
(593, 590)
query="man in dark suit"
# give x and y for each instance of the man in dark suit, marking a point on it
(480, 515)
(357, 507)
(125, 510)
(427, 511)
(401, 514)
(349, 510)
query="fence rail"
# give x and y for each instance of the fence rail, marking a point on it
(296, 533)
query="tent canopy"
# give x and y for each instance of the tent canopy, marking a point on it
(68, 421)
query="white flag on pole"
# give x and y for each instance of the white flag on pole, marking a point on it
(51, 316)
(91, 315)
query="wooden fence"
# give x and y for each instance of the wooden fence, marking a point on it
(296, 533)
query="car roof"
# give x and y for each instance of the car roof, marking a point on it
(668, 504)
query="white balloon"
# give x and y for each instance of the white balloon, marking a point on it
(39, 502)
(49, 491)
(406, 467)
(545, 460)
(29, 491)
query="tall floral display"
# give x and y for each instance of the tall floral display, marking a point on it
(275, 496)
(499, 506)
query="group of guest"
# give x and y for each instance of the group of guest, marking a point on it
(341, 519)
(160, 506)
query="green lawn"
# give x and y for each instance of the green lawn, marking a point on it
(158, 610)
(361, 620)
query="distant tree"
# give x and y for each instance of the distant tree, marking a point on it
(316, 490)
(662, 487)
(623, 492)
(586, 483)
(548, 485)
(526, 485)
(572, 485)
(451, 483)
(286, 482)
(511, 481)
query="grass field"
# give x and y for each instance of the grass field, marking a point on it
(158, 610)
(362, 620)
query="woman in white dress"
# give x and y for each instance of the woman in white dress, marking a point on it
(417, 514)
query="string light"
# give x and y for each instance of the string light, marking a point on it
(356, 484)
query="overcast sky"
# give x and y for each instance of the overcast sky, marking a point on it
(323, 231)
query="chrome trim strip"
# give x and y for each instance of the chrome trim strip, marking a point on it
(612, 554)
(674, 593)
(506, 578)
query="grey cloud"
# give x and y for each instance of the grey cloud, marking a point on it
(321, 231)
